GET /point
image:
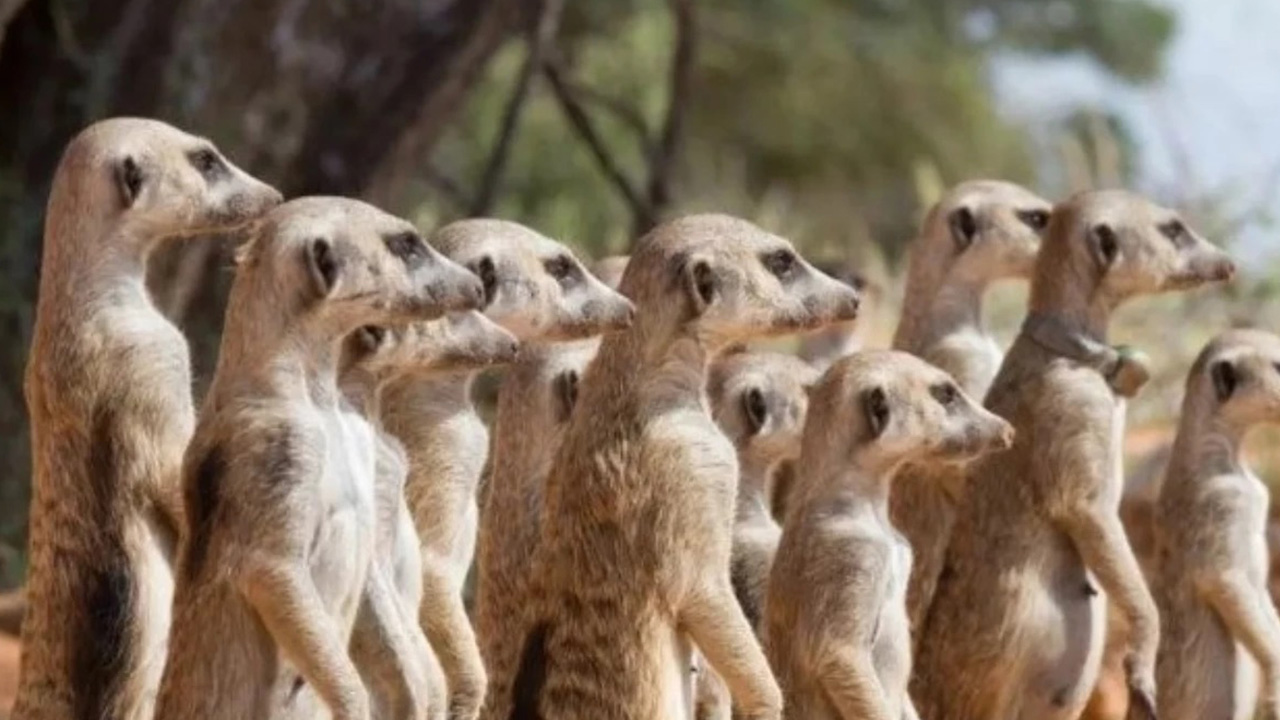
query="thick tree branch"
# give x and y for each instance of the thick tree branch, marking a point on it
(542, 33)
(661, 164)
(626, 114)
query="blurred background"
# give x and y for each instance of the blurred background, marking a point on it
(834, 122)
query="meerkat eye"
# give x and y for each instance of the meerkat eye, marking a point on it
(754, 406)
(780, 262)
(559, 267)
(1175, 231)
(1108, 243)
(206, 162)
(1035, 219)
(371, 337)
(488, 274)
(406, 245)
(964, 228)
(945, 393)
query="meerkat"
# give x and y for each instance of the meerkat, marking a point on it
(978, 233)
(836, 625)
(824, 346)
(1220, 633)
(631, 573)
(610, 269)
(387, 644)
(759, 400)
(108, 388)
(537, 290)
(279, 477)
(1016, 626)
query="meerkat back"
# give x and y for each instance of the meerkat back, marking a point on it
(108, 388)
(1220, 634)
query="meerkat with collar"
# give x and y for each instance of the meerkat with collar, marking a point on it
(400, 670)
(108, 388)
(1016, 626)
(631, 573)
(1220, 633)
(279, 476)
(537, 290)
(980, 232)
(836, 626)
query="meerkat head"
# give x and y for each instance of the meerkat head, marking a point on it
(983, 230)
(1237, 375)
(880, 408)
(153, 181)
(459, 341)
(759, 400)
(346, 263)
(728, 280)
(533, 285)
(1120, 245)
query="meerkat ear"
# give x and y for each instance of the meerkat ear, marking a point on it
(1225, 379)
(964, 227)
(1105, 244)
(323, 265)
(755, 409)
(566, 391)
(875, 408)
(701, 283)
(129, 180)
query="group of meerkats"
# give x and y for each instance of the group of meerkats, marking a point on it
(664, 523)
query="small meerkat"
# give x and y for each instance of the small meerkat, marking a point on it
(537, 290)
(401, 670)
(1017, 623)
(978, 233)
(534, 405)
(1220, 633)
(279, 478)
(631, 574)
(108, 389)
(836, 626)
(759, 400)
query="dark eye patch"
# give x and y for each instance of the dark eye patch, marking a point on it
(408, 246)
(207, 162)
(1175, 230)
(945, 393)
(560, 267)
(780, 263)
(1035, 219)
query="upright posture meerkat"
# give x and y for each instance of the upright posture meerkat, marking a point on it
(387, 643)
(633, 561)
(836, 625)
(279, 476)
(1017, 622)
(1220, 634)
(537, 290)
(108, 387)
(979, 232)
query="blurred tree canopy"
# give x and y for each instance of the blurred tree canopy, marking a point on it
(833, 121)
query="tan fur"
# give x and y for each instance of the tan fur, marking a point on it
(1016, 627)
(279, 478)
(108, 387)
(758, 400)
(822, 347)
(980, 232)
(835, 622)
(536, 290)
(1220, 633)
(632, 569)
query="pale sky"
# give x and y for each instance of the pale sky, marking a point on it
(1211, 125)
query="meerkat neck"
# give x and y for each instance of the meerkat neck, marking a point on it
(753, 477)
(1070, 295)
(360, 388)
(955, 306)
(435, 395)
(1206, 445)
(667, 364)
(852, 485)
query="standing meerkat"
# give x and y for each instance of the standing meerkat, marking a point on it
(108, 388)
(836, 626)
(980, 232)
(400, 669)
(279, 476)
(536, 289)
(759, 401)
(633, 562)
(1220, 634)
(1017, 623)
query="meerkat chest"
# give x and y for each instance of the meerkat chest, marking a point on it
(346, 535)
(969, 355)
(1239, 504)
(693, 439)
